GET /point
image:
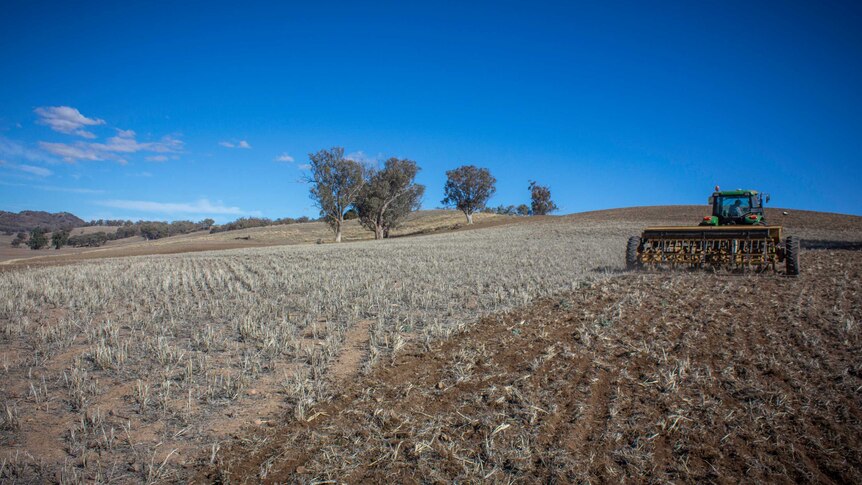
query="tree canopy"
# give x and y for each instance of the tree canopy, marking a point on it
(389, 195)
(541, 203)
(335, 184)
(468, 188)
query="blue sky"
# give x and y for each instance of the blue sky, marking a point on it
(187, 110)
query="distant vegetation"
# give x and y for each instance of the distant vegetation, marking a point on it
(149, 230)
(38, 238)
(508, 210)
(249, 222)
(382, 198)
(343, 189)
(540, 196)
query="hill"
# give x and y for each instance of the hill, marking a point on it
(28, 220)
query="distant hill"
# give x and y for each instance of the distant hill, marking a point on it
(27, 220)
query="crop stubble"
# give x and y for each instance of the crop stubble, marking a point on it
(124, 369)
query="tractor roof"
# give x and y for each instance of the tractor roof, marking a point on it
(736, 192)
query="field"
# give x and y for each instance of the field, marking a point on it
(8, 253)
(519, 352)
(424, 222)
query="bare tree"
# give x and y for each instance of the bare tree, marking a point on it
(335, 184)
(389, 196)
(468, 188)
(541, 203)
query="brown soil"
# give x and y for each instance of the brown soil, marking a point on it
(353, 352)
(647, 378)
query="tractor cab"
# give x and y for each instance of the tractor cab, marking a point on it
(736, 207)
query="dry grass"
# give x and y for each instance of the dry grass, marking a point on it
(125, 369)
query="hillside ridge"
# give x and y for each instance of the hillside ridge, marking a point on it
(28, 220)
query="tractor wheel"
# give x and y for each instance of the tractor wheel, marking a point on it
(632, 253)
(791, 255)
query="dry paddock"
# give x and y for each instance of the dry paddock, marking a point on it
(514, 353)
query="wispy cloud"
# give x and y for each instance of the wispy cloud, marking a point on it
(124, 143)
(40, 171)
(231, 144)
(284, 157)
(73, 153)
(54, 188)
(304, 166)
(65, 119)
(201, 206)
(12, 150)
(157, 158)
(30, 169)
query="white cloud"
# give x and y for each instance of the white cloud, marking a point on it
(66, 119)
(239, 144)
(33, 170)
(70, 153)
(157, 158)
(304, 166)
(124, 142)
(284, 157)
(201, 206)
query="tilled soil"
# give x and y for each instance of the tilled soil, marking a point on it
(634, 378)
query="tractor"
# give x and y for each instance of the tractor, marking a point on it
(735, 237)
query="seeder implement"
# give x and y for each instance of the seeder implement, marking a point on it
(734, 238)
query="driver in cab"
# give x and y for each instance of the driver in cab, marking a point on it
(736, 209)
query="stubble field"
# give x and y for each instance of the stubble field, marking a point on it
(125, 369)
(507, 354)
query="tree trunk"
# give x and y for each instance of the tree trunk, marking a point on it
(469, 217)
(338, 231)
(386, 233)
(378, 232)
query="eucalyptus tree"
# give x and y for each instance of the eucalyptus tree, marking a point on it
(335, 185)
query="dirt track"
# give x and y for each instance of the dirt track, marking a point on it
(659, 377)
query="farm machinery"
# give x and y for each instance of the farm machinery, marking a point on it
(735, 237)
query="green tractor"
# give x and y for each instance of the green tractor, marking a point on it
(735, 237)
